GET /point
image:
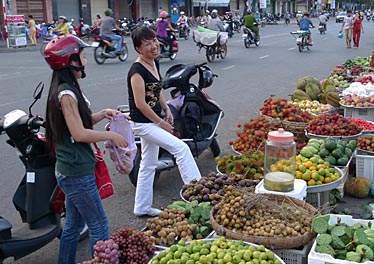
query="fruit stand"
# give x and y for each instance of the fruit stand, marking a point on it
(227, 217)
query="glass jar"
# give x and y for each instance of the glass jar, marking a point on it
(280, 161)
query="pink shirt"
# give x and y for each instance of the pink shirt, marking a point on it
(162, 25)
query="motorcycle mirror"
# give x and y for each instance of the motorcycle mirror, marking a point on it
(37, 95)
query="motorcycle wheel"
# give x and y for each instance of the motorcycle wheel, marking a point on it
(246, 43)
(186, 35)
(173, 56)
(223, 52)
(124, 55)
(99, 58)
(211, 53)
(301, 45)
(214, 147)
(238, 28)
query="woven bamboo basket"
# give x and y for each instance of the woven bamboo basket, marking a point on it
(297, 128)
(270, 242)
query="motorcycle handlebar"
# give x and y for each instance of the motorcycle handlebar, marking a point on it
(36, 123)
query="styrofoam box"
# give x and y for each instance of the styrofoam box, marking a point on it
(363, 113)
(299, 191)
(318, 258)
(365, 166)
(294, 256)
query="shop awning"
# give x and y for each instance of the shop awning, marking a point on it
(211, 3)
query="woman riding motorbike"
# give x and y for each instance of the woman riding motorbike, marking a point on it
(162, 25)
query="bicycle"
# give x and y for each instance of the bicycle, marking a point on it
(213, 42)
(302, 39)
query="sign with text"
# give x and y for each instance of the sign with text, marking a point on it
(14, 19)
(332, 4)
(262, 3)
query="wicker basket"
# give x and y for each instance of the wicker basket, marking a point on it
(297, 128)
(269, 242)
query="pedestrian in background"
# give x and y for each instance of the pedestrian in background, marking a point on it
(357, 30)
(146, 102)
(69, 133)
(32, 32)
(347, 26)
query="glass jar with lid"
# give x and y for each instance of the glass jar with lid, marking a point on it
(280, 161)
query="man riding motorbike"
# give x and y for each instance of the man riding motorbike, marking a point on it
(305, 24)
(215, 23)
(323, 20)
(205, 19)
(250, 22)
(183, 22)
(107, 24)
(162, 25)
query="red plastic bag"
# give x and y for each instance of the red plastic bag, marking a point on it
(123, 157)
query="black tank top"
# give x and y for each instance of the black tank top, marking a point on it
(152, 92)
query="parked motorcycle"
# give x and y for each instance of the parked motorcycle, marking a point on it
(38, 199)
(249, 37)
(187, 94)
(164, 46)
(106, 49)
(128, 25)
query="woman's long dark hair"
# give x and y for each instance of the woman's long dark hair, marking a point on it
(55, 118)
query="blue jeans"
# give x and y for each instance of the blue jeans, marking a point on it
(118, 38)
(83, 205)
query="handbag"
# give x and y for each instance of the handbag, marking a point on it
(103, 181)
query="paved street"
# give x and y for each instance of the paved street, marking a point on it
(246, 78)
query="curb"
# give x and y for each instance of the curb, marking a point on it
(19, 49)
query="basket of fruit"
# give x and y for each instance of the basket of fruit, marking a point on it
(275, 221)
(250, 165)
(211, 188)
(212, 250)
(332, 125)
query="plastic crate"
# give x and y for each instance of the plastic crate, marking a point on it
(363, 113)
(364, 166)
(318, 199)
(295, 256)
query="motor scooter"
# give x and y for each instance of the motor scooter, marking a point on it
(249, 37)
(106, 49)
(199, 134)
(38, 199)
(182, 31)
(164, 46)
(322, 28)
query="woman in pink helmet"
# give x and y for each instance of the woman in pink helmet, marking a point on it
(162, 25)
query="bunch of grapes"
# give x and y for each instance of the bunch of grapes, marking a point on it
(106, 252)
(134, 246)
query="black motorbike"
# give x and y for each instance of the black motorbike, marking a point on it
(38, 199)
(322, 28)
(228, 25)
(249, 37)
(106, 49)
(182, 31)
(199, 133)
(164, 46)
(128, 25)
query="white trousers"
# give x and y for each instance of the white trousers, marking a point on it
(152, 138)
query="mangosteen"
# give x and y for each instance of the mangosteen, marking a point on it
(199, 187)
(224, 177)
(221, 192)
(186, 196)
(216, 186)
(212, 174)
(206, 198)
(209, 185)
(205, 191)
(218, 181)
(203, 181)
(184, 187)
(213, 191)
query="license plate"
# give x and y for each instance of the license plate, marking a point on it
(95, 44)
(245, 35)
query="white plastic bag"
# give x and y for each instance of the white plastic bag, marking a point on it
(123, 157)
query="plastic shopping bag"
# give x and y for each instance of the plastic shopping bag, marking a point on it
(340, 34)
(123, 157)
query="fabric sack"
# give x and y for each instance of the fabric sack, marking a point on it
(103, 180)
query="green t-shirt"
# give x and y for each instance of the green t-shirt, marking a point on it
(73, 159)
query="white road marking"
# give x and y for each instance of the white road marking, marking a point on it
(291, 48)
(229, 67)
(263, 57)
